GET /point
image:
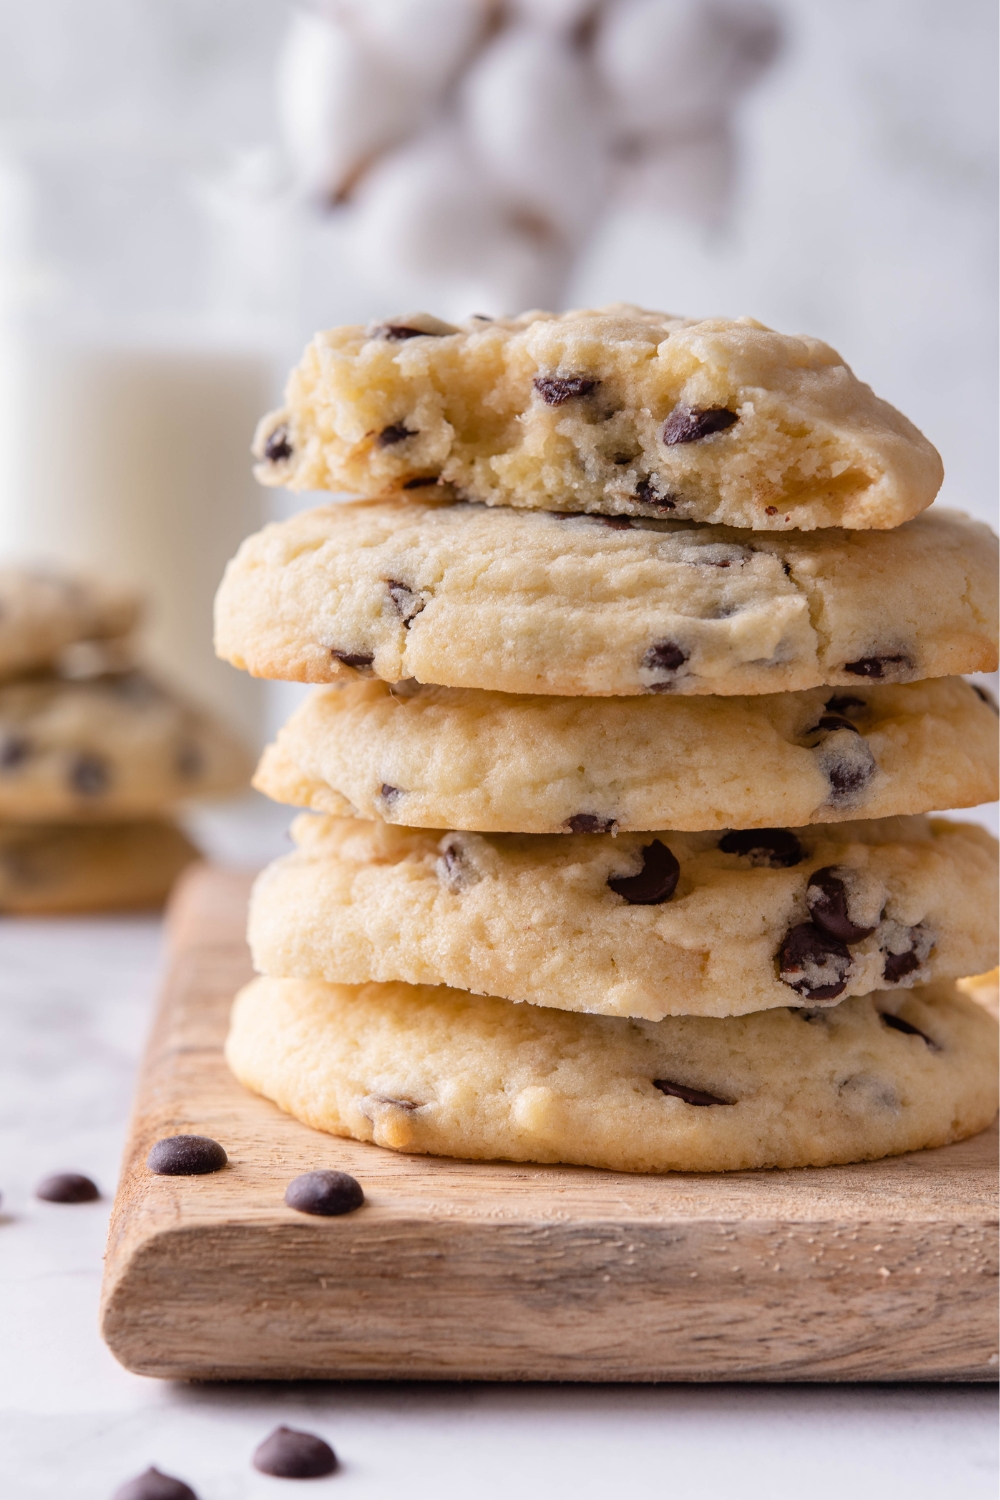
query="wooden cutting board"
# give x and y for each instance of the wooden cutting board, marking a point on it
(502, 1271)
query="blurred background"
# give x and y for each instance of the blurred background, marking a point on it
(188, 188)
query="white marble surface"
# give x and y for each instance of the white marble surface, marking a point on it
(75, 1003)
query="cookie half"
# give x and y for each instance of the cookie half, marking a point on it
(441, 1072)
(58, 869)
(618, 410)
(42, 613)
(676, 924)
(531, 602)
(461, 758)
(115, 746)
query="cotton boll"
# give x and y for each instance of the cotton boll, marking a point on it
(339, 105)
(426, 40)
(427, 223)
(679, 65)
(529, 108)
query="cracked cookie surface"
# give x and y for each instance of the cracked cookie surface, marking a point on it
(617, 410)
(462, 758)
(532, 602)
(638, 925)
(436, 1071)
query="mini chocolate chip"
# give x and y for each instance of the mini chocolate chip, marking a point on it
(690, 1096)
(987, 698)
(186, 1156)
(898, 965)
(14, 751)
(621, 459)
(395, 333)
(826, 897)
(555, 389)
(455, 867)
(89, 774)
(325, 1193)
(421, 482)
(616, 523)
(647, 490)
(353, 658)
(398, 432)
(770, 510)
(408, 604)
(770, 848)
(289, 1454)
(590, 823)
(190, 761)
(409, 1105)
(278, 446)
(898, 1024)
(686, 424)
(67, 1187)
(847, 775)
(814, 963)
(390, 794)
(877, 666)
(655, 882)
(664, 656)
(843, 703)
(154, 1486)
(829, 722)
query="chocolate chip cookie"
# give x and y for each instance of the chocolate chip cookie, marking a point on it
(42, 613)
(56, 869)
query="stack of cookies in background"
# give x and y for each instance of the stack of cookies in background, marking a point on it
(94, 754)
(643, 667)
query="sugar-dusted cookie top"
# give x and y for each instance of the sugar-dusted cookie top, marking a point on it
(618, 410)
(532, 602)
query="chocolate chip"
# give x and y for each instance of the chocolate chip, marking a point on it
(278, 446)
(655, 882)
(390, 794)
(89, 774)
(829, 722)
(395, 333)
(814, 963)
(621, 459)
(408, 604)
(455, 867)
(826, 897)
(288, 1454)
(648, 491)
(67, 1187)
(770, 510)
(190, 761)
(616, 523)
(186, 1156)
(14, 751)
(987, 698)
(848, 768)
(353, 658)
(421, 483)
(664, 656)
(154, 1486)
(555, 389)
(770, 848)
(878, 666)
(686, 424)
(325, 1193)
(590, 823)
(690, 1096)
(843, 703)
(898, 965)
(898, 1024)
(398, 432)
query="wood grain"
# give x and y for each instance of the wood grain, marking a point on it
(885, 1270)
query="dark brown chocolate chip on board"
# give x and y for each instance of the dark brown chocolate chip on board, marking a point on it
(186, 1156)
(67, 1187)
(898, 1024)
(353, 658)
(154, 1486)
(278, 446)
(814, 963)
(690, 1096)
(770, 848)
(326, 1193)
(289, 1454)
(655, 882)
(396, 432)
(686, 424)
(555, 389)
(89, 774)
(590, 823)
(826, 897)
(877, 667)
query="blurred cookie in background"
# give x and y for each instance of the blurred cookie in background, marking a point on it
(42, 613)
(60, 869)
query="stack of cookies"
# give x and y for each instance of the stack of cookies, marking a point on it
(643, 665)
(94, 753)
